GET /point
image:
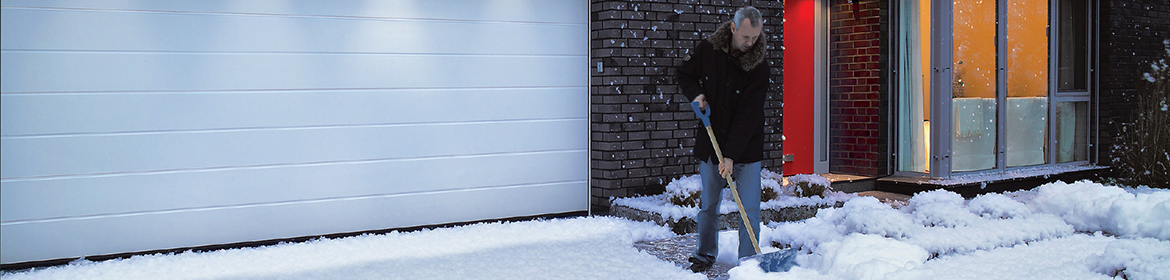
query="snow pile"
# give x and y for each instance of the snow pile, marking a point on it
(1135, 259)
(1094, 207)
(867, 256)
(562, 249)
(684, 186)
(939, 234)
(939, 222)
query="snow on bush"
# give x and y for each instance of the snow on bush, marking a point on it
(771, 186)
(808, 185)
(1142, 151)
(681, 198)
(685, 191)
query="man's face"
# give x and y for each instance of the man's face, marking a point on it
(745, 35)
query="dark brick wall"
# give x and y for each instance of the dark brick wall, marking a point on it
(642, 129)
(856, 126)
(1131, 38)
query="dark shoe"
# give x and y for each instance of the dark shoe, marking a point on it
(698, 265)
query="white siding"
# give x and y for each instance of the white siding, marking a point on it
(144, 125)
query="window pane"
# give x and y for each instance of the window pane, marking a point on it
(1073, 63)
(1027, 83)
(1072, 131)
(974, 86)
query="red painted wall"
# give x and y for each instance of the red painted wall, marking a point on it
(799, 59)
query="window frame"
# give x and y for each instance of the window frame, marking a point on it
(941, 74)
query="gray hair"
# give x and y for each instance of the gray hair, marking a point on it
(751, 13)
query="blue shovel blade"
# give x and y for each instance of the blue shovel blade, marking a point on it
(779, 261)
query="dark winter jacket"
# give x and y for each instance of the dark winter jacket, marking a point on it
(735, 88)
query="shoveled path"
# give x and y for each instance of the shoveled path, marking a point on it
(677, 250)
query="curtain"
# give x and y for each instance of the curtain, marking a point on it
(911, 149)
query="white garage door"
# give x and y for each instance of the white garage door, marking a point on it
(144, 125)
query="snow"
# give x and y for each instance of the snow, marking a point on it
(581, 248)
(682, 186)
(1082, 230)
(1087, 207)
(811, 179)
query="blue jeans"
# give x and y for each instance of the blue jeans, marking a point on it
(747, 183)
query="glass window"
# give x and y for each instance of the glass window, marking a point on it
(1073, 65)
(974, 108)
(1027, 83)
(1072, 131)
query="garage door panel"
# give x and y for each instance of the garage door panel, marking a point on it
(72, 238)
(152, 152)
(544, 11)
(147, 125)
(75, 196)
(41, 29)
(24, 114)
(106, 72)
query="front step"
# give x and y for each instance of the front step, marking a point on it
(971, 185)
(851, 183)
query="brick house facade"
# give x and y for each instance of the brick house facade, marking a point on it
(642, 129)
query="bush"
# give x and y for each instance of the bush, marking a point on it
(685, 191)
(1142, 152)
(806, 185)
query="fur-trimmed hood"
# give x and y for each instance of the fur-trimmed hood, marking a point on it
(721, 39)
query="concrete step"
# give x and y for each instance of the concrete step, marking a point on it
(851, 183)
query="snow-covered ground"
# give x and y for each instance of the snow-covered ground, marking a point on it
(581, 248)
(1083, 230)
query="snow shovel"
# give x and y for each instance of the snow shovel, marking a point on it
(778, 261)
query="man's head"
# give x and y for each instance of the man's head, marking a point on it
(745, 32)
